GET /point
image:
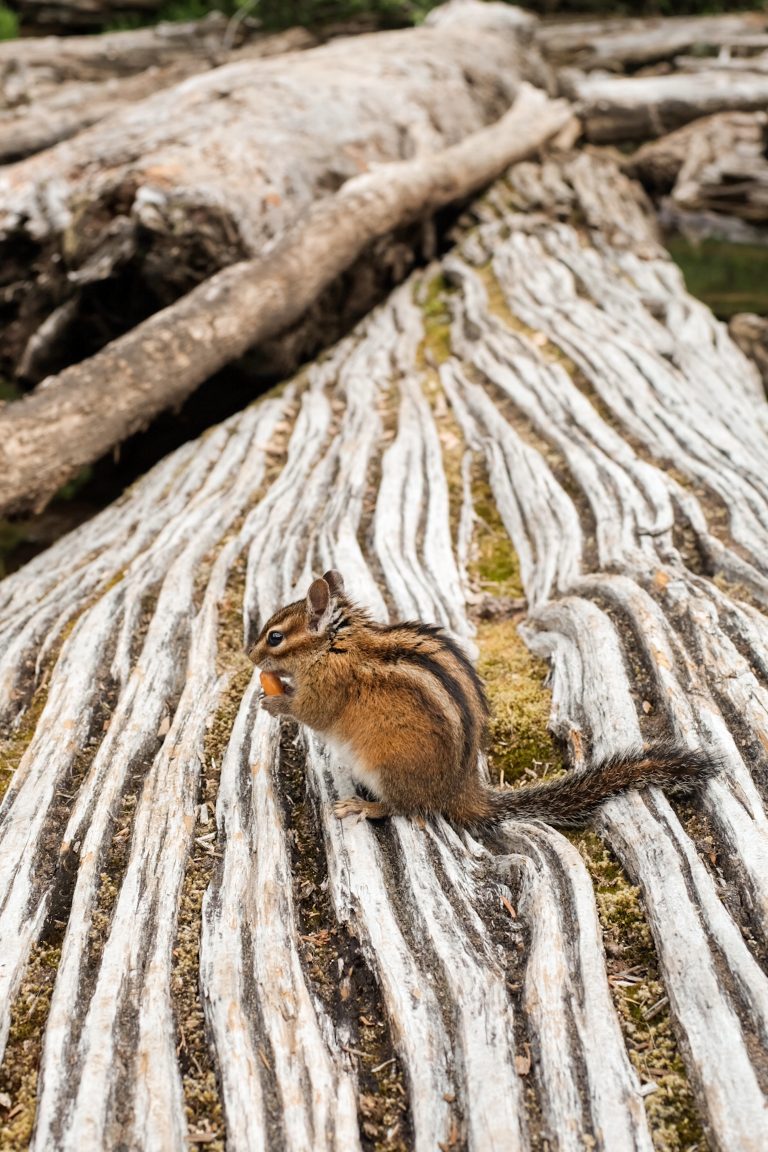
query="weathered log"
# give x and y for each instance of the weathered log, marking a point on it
(44, 112)
(30, 127)
(750, 332)
(138, 209)
(716, 164)
(76, 417)
(659, 162)
(618, 44)
(618, 108)
(724, 62)
(344, 970)
(30, 67)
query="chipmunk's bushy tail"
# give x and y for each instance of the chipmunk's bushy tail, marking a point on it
(570, 800)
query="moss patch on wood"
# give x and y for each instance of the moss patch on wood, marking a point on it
(495, 564)
(521, 746)
(432, 295)
(199, 1073)
(640, 1000)
(336, 968)
(19, 1073)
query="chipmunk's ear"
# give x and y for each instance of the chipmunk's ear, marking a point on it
(319, 605)
(335, 582)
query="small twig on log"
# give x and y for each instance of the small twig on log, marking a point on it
(74, 418)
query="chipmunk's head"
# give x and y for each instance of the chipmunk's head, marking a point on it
(297, 635)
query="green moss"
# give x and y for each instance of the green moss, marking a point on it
(640, 1000)
(495, 564)
(18, 1075)
(15, 741)
(520, 746)
(437, 321)
(202, 1101)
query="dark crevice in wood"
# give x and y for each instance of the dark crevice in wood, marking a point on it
(754, 1041)
(262, 1044)
(536, 437)
(416, 934)
(512, 937)
(334, 965)
(751, 651)
(729, 879)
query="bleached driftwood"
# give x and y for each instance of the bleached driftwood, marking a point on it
(76, 417)
(750, 332)
(43, 110)
(216, 169)
(716, 164)
(632, 485)
(641, 107)
(627, 44)
(33, 66)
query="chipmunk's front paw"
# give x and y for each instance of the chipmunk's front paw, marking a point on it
(363, 809)
(276, 705)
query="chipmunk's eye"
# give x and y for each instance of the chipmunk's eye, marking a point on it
(274, 638)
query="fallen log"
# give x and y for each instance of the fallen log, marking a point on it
(616, 108)
(76, 417)
(44, 121)
(724, 63)
(707, 156)
(630, 44)
(135, 211)
(750, 332)
(44, 113)
(32, 66)
(406, 986)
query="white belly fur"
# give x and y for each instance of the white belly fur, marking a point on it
(345, 766)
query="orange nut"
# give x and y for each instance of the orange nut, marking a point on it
(271, 683)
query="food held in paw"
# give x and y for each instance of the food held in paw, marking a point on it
(271, 683)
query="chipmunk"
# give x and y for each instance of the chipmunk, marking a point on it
(402, 704)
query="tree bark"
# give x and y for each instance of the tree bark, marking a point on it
(135, 211)
(399, 983)
(75, 418)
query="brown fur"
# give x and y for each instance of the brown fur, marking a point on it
(409, 706)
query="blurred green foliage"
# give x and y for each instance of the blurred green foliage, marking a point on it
(9, 23)
(728, 277)
(278, 14)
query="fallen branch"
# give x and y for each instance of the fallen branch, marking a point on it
(73, 419)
